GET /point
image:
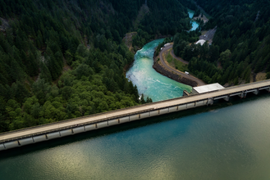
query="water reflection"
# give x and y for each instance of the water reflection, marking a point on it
(227, 143)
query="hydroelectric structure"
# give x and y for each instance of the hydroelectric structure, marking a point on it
(47, 132)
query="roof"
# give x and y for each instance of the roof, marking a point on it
(208, 88)
(201, 42)
(167, 44)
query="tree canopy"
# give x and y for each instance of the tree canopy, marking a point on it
(240, 47)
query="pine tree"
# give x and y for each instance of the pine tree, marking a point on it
(53, 66)
(45, 73)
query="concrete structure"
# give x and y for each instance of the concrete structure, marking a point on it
(165, 45)
(208, 88)
(74, 126)
(201, 42)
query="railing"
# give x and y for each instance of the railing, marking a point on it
(112, 117)
(68, 127)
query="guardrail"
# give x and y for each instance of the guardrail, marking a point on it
(68, 127)
(111, 117)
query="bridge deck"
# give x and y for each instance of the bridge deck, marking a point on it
(133, 110)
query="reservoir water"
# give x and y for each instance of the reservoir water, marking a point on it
(226, 142)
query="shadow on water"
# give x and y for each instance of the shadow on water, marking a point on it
(218, 104)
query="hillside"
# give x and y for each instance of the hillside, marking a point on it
(65, 58)
(240, 48)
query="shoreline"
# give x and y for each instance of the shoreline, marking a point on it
(36, 134)
(173, 76)
(128, 66)
(176, 76)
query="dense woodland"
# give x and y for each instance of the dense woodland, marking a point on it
(240, 47)
(166, 18)
(63, 59)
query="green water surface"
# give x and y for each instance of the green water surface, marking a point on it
(148, 81)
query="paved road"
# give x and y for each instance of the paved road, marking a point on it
(162, 55)
(126, 112)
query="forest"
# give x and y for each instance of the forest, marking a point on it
(62, 59)
(165, 20)
(240, 47)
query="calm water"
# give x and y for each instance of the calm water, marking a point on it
(148, 81)
(230, 142)
(195, 25)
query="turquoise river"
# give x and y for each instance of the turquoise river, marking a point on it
(195, 25)
(148, 81)
(226, 141)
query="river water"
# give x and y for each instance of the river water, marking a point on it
(226, 141)
(195, 25)
(148, 81)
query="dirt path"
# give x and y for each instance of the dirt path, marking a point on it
(164, 63)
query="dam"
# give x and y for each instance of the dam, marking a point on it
(47, 132)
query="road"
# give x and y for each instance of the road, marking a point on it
(126, 112)
(162, 55)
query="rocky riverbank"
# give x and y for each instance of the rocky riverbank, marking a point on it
(172, 75)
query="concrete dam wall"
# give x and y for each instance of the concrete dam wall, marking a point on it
(47, 132)
(95, 126)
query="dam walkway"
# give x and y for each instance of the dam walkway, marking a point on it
(73, 126)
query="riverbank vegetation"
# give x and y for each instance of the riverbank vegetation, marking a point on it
(165, 20)
(176, 63)
(240, 48)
